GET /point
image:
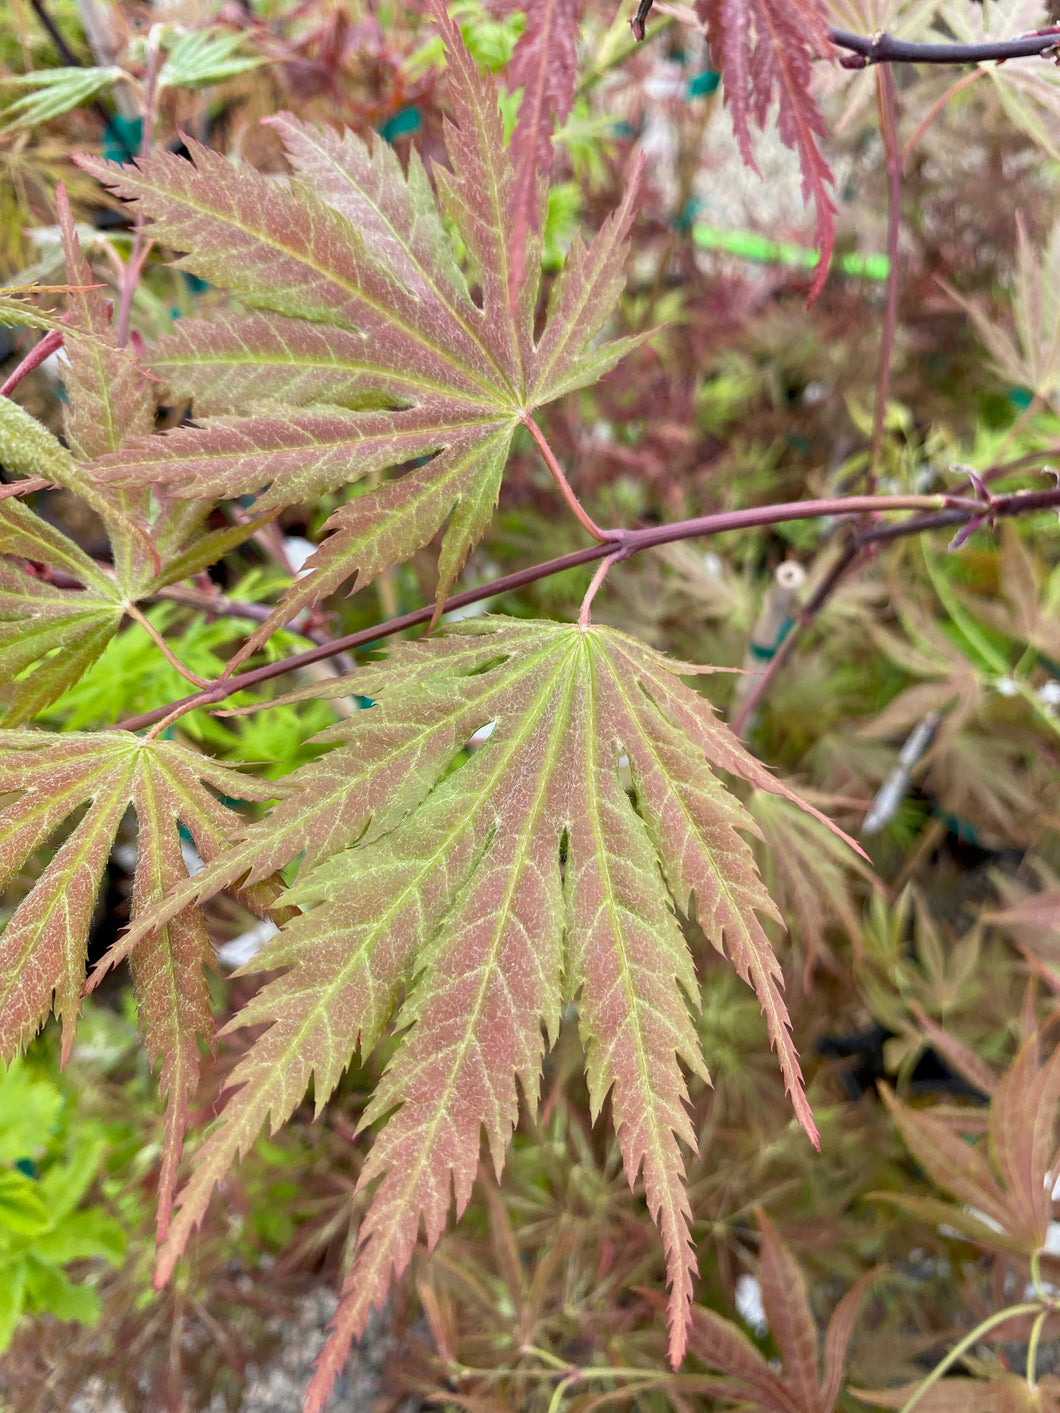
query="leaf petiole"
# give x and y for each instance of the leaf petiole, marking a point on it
(566, 489)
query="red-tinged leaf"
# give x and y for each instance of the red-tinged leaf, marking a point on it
(109, 398)
(1021, 1137)
(461, 487)
(787, 1309)
(50, 636)
(586, 291)
(544, 66)
(363, 349)
(957, 1055)
(305, 452)
(1007, 1180)
(168, 976)
(27, 536)
(1032, 920)
(42, 949)
(837, 1340)
(810, 874)
(765, 48)
(627, 959)
(948, 1160)
(720, 1344)
(477, 195)
(28, 449)
(1001, 1392)
(234, 360)
(46, 778)
(395, 211)
(960, 1221)
(446, 884)
(760, 1386)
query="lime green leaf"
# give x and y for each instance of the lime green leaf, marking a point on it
(22, 1210)
(29, 1112)
(54, 92)
(206, 56)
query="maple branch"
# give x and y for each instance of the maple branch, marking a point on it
(803, 620)
(566, 489)
(883, 48)
(943, 511)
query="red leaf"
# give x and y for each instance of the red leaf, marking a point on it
(544, 65)
(764, 49)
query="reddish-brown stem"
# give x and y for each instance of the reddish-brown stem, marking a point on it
(45, 347)
(936, 108)
(742, 720)
(164, 648)
(889, 130)
(943, 511)
(565, 488)
(141, 249)
(594, 584)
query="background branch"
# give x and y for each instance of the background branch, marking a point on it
(885, 49)
(942, 511)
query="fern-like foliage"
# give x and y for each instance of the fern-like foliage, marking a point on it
(489, 892)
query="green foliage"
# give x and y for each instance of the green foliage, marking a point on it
(46, 1170)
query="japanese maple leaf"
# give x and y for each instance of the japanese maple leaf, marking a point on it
(544, 65)
(750, 1380)
(59, 608)
(46, 778)
(490, 891)
(1003, 1187)
(365, 346)
(766, 48)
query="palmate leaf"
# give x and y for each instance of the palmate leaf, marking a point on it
(755, 1383)
(490, 890)
(364, 334)
(51, 632)
(997, 1392)
(44, 780)
(1005, 1186)
(1029, 90)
